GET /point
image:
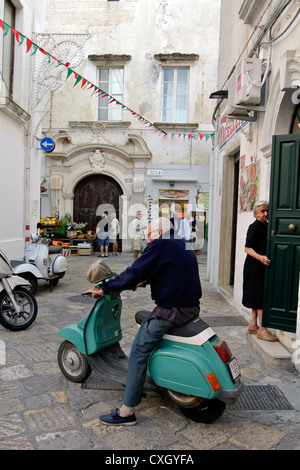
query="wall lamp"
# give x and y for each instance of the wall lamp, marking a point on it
(219, 95)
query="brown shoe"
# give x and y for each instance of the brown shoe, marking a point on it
(252, 332)
(267, 338)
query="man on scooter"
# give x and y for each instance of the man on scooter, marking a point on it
(171, 269)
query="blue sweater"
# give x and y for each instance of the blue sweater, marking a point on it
(171, 270)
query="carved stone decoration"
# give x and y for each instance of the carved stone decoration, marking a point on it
(289, 71)
(48, 78)
(56, 186)
(97, 160)
(138, 182)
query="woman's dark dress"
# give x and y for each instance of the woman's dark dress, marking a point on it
(254, 270)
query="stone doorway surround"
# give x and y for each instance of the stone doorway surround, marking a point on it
(282, 103)
(76, 157)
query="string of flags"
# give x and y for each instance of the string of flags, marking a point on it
(87, 85)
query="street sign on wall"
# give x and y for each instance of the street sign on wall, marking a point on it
(47, 144)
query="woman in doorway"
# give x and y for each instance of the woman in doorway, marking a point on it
(254, 271)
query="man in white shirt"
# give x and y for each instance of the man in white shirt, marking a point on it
(186, 227)
(138, 234)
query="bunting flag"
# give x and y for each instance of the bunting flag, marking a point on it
(87, 85)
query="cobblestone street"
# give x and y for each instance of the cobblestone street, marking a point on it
(41, 410)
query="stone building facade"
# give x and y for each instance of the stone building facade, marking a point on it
(152, 151)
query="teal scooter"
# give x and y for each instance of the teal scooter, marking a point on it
(191, 366)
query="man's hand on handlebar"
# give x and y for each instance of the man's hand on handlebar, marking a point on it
(140, 284)
(95, 291)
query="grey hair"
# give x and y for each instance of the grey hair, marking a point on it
(162, 223)
(258, 204)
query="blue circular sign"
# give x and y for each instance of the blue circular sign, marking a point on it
(47, 144)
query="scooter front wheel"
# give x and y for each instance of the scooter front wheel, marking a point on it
(73, 363)
(9, 317)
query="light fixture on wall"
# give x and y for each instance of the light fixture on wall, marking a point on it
(219, 95)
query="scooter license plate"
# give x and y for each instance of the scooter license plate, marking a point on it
(234, 369)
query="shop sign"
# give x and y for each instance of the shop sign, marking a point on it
(154, 172)
(228, 129)
(165, 194)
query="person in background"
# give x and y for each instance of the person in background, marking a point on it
(175, 221)
(138, 231)
(254, 271)
(114, 231)
(102, 232)
(195, 234)
(185, 230)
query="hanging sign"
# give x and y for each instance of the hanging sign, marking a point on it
(47, 144)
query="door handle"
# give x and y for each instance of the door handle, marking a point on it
(292, 227)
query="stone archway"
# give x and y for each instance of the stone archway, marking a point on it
(281, 102)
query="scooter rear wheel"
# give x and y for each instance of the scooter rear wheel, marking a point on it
(73, 364)
(181, 399)
(207, 412)
(195, 408)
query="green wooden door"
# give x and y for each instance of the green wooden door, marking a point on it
(283, 244)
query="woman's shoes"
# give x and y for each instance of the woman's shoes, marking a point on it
(252, 332)
(271, 338)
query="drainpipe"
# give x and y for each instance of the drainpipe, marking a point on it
(271, 21)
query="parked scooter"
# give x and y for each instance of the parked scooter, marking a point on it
(191, 365)
(18, 307)
(42, 261)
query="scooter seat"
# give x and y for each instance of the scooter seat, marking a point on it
(189, 329)
(53, 250)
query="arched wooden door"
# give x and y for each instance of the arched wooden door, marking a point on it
(93, 192)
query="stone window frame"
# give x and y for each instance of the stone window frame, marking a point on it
(176, 60)
(109, 61)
